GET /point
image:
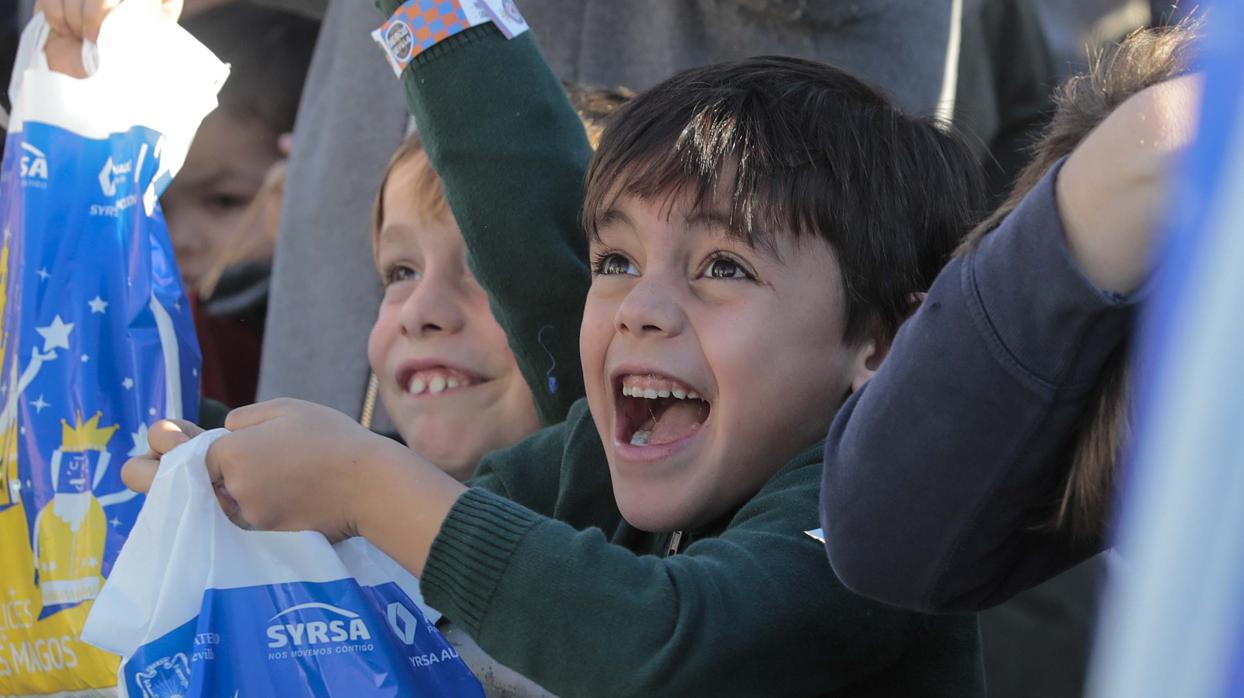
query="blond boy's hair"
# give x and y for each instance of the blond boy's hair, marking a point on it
(594, 105)
(427, 193)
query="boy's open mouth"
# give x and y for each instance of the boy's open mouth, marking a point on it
(654, 410)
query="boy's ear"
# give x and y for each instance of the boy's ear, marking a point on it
(867, 361)
(873, 351)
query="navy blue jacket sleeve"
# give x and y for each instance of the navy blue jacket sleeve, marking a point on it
(936, 471)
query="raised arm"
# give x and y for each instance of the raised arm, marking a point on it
(512, 153)
(939, 473)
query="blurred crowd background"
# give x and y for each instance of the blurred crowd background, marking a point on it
(270, 217)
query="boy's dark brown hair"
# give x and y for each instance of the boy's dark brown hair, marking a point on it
(1145, 58)
(802, 149)
(268, 51)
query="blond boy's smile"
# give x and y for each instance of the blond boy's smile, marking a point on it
(447, 377)
(433, 377)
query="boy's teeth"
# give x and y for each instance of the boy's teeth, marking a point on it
(654, 388)
(640, 437)
(437, 380)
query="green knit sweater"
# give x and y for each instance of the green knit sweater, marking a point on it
(535, 562)
(512, 154)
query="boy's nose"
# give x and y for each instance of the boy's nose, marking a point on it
(650, 308)
(432, 308)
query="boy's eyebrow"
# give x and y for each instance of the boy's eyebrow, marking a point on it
(720, 223)
(217, 177)
(611, 216)
(710, 219)
(392, 231)
(386, 232)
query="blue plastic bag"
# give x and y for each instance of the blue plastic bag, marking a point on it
(96, 337)
(199, 607)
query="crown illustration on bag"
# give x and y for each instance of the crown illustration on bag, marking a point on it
(85, 437)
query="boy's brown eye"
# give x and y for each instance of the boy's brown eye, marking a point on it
(613, 263)
(726, 268)
(398, 273)
(226, 202)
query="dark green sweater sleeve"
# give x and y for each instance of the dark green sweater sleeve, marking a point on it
(753, 611)
(531, 473)
(500, 131)
(535, 484)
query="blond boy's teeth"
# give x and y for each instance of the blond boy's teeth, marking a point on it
(693, 395)
(650, 394)
(680, 394)
(436, 385)
(640, 437)
(434, 381)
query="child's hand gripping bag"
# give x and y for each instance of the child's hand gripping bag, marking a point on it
(197, 606)
(96, 338)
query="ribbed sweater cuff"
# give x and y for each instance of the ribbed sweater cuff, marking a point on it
(466, 36)
(471, 554)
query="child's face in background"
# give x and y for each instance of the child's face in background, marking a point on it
(708, 364)
(205, 202)
(447, 377)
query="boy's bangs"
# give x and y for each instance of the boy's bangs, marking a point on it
(713, 166)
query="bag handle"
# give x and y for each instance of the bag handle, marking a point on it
(31, 54)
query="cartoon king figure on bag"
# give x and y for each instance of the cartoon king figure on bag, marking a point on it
(71, 530)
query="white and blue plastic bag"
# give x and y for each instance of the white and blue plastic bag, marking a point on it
(96, 338)
(197, 606)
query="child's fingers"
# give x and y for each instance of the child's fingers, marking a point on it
(190, 429)
(137, 473)
(215, 456)
(93, 14)
(258, 413)
(167, 434)
(230, 506)
(74, 10)
(64, 55)
(230, 487)
(54, 12)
